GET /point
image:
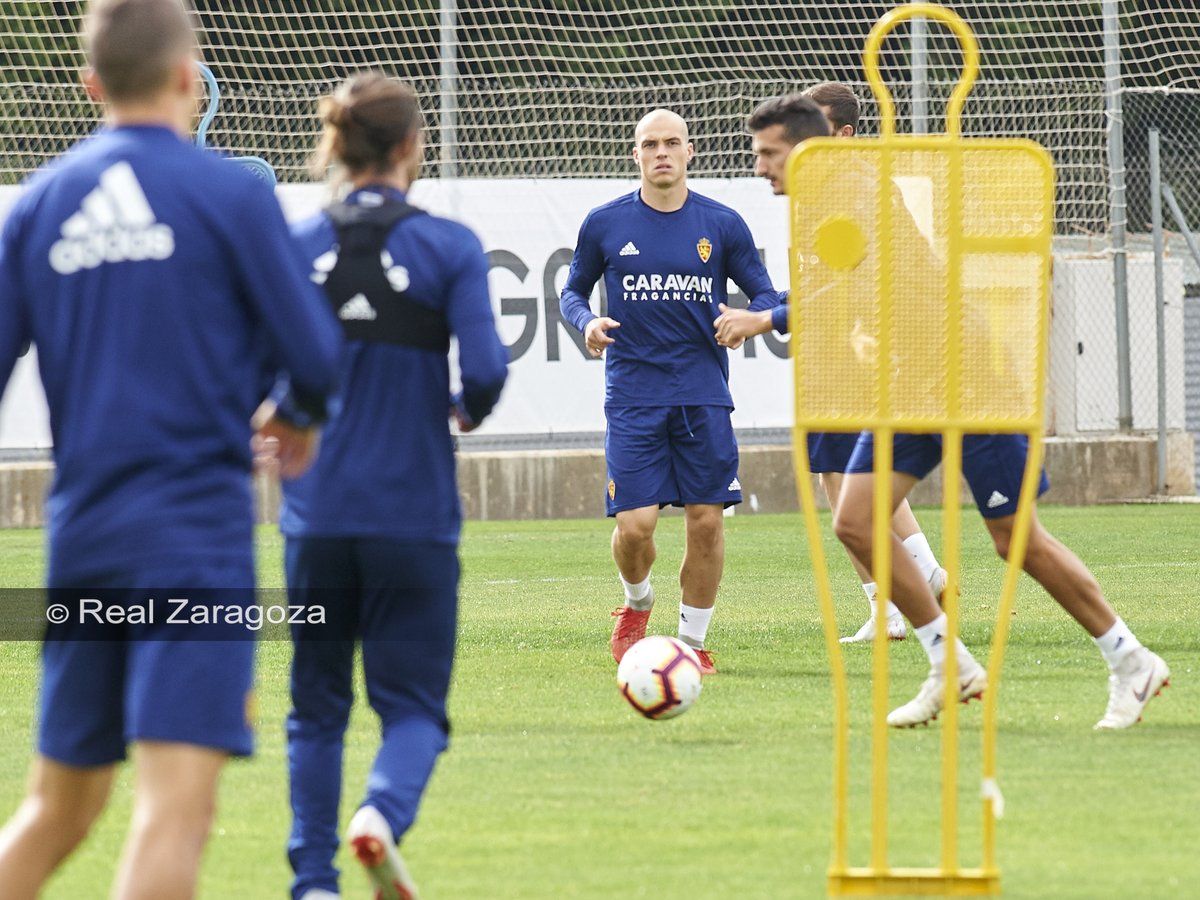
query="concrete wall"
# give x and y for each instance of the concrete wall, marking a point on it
(557, 484)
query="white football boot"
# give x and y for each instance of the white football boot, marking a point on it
(896, 630)
(371, 839)
(924, 708)
(1137, 679)
(320, 894)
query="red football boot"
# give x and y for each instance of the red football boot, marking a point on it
(629, 628)
(707, 666)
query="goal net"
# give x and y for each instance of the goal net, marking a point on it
(548, 88)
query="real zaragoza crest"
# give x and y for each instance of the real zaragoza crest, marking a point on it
(704, 248)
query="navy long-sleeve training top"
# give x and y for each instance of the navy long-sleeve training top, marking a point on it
(665, 275)
(164, 294)
(386, 467)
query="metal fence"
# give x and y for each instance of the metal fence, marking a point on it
(551, 88)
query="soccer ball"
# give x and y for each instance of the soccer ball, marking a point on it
(660, 677)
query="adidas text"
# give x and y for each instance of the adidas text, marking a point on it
(114, 224)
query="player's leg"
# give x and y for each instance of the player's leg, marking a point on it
(188, 701)
(639, 481)
(914, 456)
(704, 459)
(634, 552)
(853, 526)
(322, 572)
(175, 793)
(59, 808)
(993, 465)
(908, 529)
(703, 555)
(831, 482)
(410, 605)
(700, 576)
(829, 455)
(80, 738)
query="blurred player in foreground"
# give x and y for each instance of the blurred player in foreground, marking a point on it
(372, 531)
(666, 254)
(164, 293)
(776, 127)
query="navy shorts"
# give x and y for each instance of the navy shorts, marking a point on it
(107, 685)
(830, 451)
(670, 455)
(993, 465)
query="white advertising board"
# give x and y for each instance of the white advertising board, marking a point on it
(528, 227)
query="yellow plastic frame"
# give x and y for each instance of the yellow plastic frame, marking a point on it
(949, 878)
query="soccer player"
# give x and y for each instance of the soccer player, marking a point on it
(164, 294)
(992, 465)
(776, 127)
(665, 253)
(372, 531)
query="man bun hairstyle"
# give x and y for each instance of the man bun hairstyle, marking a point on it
(133, 45)
(364, 121)
(799, 115)
(840, 100)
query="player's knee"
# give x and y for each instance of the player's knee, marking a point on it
(1002, 541)
(316, 717)
(853, 531)
(67, 824)
(635, 531)
(705, 527)
(184, 822)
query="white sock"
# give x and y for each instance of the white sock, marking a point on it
(1117, 643)
(933, 640)
(693, 625)
(871, 590)
(918, 547)
(638, 595)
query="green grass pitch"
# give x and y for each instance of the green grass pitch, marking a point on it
(553, 788)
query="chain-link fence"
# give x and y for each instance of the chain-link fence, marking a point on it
(1172, 115)
(551, 88)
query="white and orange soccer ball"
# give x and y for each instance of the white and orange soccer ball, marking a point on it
(660, 677)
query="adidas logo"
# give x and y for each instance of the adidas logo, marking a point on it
(357, 308)
(734, 485)
(397, 276)
(630, 250)
(323, 265)
(114, 224)
(997, 499)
